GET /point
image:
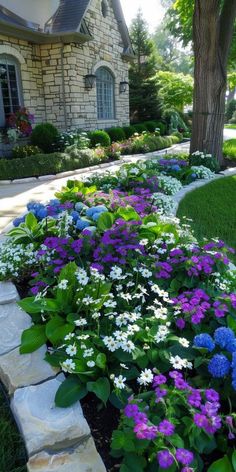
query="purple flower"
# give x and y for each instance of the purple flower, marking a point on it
(165, 459)
(131, 410)
(159, 380)
(180, 323)
(200, 420)
(143, 431)
(160, 393)
(184, 456)
(166, 428)
(194, 399)
(212, 395)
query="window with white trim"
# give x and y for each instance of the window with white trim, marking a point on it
(10, 87)
(105, 94)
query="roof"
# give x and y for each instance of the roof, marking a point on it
(13, 19)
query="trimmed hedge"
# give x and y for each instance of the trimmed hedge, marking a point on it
(162, 127)
(19, 152)
(45, 136)
(140, 128)
(116, 134)
(99, 137)
(150, 125)
(45, 164)
(129, 131)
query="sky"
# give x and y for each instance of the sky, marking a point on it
(152, 10)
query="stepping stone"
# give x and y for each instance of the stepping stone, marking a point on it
(20, 370)
(13, 321)
(84, 458)
(8, 293)
(42, 424)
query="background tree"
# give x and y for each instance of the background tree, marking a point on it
(176, 90)
(211, 26)
(144, 102)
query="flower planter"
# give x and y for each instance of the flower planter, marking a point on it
(6, 149)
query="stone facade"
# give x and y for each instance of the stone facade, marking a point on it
(52, 75)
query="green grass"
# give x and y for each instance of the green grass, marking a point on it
(212, 210)
(231, 126)
(229, 148)
(12, 452)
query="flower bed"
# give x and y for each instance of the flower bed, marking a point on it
(136, 312)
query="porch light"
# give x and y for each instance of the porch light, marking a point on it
(123, 86)
(90, 80)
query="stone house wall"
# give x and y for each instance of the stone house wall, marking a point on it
(53, 74)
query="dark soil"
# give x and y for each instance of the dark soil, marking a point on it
(102, 421)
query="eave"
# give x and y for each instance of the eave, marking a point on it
(38, 37)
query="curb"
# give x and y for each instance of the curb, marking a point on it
(45, 178)
(56, 439)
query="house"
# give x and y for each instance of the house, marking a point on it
(66, 61)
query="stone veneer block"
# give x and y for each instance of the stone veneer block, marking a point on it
(84, 458)
(8, 293)
(13, 321)
(43, 425)
(18, 370)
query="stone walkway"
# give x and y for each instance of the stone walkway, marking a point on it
(15, 196)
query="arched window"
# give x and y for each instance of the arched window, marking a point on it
(10, 87)
(104, 8)
(105, 94)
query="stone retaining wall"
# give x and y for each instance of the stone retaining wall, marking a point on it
(56, 439)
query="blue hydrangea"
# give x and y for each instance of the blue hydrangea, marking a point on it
(96, 216)
(224, 337)
(75, 215)
(55, 202)
(204, 340)
(219, 366)
(231, 346)
(82, 224)
(79, 206)
(193, 176)
(234, 361)
(18, 221)
(234, 384)
(176, 168)
(41, 213)
(96, 209)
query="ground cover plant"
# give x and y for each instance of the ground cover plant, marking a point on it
(135, 311)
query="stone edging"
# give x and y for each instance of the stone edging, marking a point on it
(56, 439)
(123, 159)
(200, 183)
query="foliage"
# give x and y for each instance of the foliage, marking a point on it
(140, 128)
(116, 134)
(80, 138)
(129, 131)
(230, 109)
(144, 102)
(203, 159)
(150, 126)
(229, 149)
(44, 164)
(162, 127)
(233, 119)
(174, 121)
(100, 138)
(45, 136)
(176, 90)
(25, 151)
(22, 120)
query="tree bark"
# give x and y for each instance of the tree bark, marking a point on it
(212, 35)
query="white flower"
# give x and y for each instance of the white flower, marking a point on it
(110, 304)
(71, 350)
(119, 382)
(68, 365)
(145, 273)
(111, 343)
(87, 300)
(80, 322)
(125, 296)
(127, 346)
(90, 363)
(184, 342)
(146, 377)
(82, 277)
(88, 352)
(69, 336)
(63, 284)
(179, 363)
(116, 273)
(124, 366)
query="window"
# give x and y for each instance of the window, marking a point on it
(105, 94)
(104, 7)
(10, 94)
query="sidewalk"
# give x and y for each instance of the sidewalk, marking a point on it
(14, 197)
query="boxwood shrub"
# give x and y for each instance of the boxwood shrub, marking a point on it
(140, 128)
(129, 131)
(99, 137)
(116, 134)
(46, 137)
(150, 125)
(162, 126)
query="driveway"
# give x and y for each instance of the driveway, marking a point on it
(229, 134)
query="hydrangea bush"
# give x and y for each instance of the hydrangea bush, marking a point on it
(135, 310)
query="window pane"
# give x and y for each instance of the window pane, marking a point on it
(105, 94)
(9, 86)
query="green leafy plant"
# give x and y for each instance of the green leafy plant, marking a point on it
(45, 136)
(100, 138)
(116, 134)
(25, 151)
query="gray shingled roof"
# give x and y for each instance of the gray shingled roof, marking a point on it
(11, 18)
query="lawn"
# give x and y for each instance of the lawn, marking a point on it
(212, 210)
(230, 126)
(12, 451)
(229, 148)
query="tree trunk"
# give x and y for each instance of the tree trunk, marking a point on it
(212, 36)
